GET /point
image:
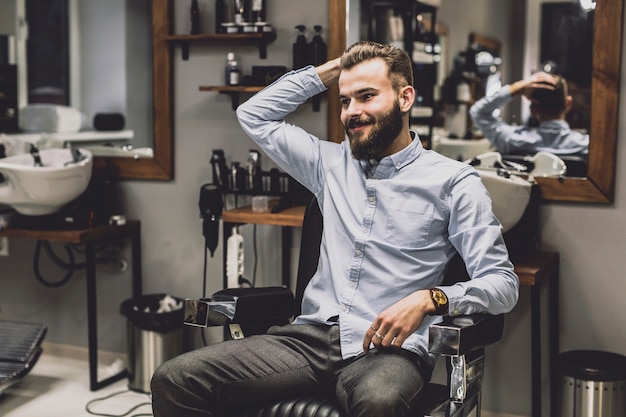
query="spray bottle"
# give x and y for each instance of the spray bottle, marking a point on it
(234, 259)
(300, 49)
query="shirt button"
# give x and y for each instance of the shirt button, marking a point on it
(344, 308)
(371, 199)
(358, 252)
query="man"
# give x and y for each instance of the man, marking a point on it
(550, 103)
(394, 214)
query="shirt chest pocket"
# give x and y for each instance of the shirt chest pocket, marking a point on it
(408, 224)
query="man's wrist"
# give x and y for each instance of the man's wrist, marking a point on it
(440, 302)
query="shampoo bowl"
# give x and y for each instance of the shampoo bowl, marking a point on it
(510, 196)
(40, 190)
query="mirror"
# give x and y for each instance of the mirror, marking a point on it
(599, 185)
(161, 166)
(98, 82)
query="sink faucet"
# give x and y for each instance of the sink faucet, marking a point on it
(35, 153)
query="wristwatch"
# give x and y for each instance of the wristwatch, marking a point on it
(440, 300)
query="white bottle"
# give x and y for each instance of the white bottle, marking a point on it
(234, 259)
(232, 70)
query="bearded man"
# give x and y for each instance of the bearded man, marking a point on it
(394, 215)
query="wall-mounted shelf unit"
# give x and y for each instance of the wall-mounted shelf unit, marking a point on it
(232, 90)
(184, 41)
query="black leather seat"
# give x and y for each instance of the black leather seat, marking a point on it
(253, 310)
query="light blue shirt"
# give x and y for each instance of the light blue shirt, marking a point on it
(389, 227)
(553, 136)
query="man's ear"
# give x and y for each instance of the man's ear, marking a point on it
(569, 102)
(407, 97)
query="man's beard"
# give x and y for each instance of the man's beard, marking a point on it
(384, 131)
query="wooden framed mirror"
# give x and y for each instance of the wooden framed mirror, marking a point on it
(161, 166)
(599, 185)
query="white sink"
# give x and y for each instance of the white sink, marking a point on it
(39, 190)
(509, 196)
(510, 184)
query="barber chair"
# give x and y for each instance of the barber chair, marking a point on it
(461, 339)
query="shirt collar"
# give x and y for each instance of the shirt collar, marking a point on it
(399, 159)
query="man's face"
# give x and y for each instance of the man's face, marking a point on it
(370, 111)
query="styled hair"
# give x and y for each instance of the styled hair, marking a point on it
(551, 103)
(399, 65)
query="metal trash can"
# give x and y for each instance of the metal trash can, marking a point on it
(593, 384)
(154, 334)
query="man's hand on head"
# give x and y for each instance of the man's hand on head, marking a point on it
(329, 72)
(539, 80)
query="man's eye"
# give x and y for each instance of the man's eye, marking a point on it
(344, 102)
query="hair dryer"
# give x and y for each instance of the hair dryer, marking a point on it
(211, 206)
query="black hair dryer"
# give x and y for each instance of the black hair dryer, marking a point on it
(211, 206)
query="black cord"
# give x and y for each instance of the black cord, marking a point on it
(71, 266)
(50, 284)
(254, 248)
(204, 271)
(95, 400)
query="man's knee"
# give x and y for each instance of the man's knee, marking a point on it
(375, 398)
(164, 376)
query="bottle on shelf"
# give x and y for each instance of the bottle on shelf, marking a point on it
(195, 17)
(317, 48)
(300, 49)
(220, 14)
(232, 70)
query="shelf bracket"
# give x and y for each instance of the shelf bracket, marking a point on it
(184, 49)
(262, 49)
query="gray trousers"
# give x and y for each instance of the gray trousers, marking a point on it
(287, 362)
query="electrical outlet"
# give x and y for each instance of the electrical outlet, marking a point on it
(4, 246)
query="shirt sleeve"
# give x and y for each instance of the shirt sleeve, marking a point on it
(477, 235)
(493, 127)
(293, 149)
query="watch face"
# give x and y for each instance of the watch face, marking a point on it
(439, 297)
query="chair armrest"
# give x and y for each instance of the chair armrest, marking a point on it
(241, 306)
(458, 335)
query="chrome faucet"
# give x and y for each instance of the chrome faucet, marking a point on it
(35, 154)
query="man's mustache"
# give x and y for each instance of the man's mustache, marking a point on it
(352, 123)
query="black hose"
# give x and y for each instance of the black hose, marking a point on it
(64, 280)
(70, 266)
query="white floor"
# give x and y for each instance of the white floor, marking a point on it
(58, 386)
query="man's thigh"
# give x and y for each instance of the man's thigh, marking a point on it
(390, 381)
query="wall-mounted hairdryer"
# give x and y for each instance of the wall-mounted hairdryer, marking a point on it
(211, 205)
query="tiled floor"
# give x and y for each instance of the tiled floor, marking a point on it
(58, 386)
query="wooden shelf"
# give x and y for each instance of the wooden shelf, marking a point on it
(292, 216)
(232, 90)
(78, 236)
(184, 40)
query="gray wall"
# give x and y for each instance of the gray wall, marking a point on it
(588, 237)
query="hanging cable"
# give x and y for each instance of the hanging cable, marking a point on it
(70, 266)
(204, 271)
(64, 280)
(254, 251)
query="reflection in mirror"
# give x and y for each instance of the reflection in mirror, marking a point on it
(95, 57)
(598, 186)
(104, 68)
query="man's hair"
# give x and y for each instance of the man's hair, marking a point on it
(398, 63)
(551, 103)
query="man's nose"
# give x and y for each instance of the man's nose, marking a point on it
(354, 109)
